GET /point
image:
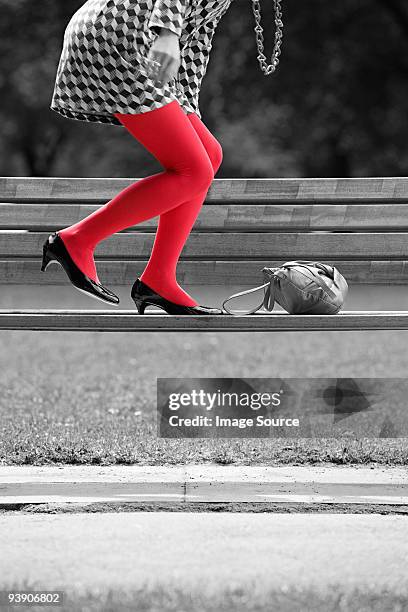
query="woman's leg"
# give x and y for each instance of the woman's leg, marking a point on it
(174, 226)
(169, 135)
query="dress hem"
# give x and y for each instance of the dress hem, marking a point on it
(89, 116)
(98, 117)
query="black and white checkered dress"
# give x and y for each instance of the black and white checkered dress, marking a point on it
(102, 66)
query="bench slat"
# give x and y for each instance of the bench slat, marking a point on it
(225, 217)
(325, 245)
(128, 321)
(221, 273)
(278, 190)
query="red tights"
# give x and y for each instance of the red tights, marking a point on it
(191, 156)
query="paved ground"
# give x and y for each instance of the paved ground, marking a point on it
(200, 483)
(205, 551)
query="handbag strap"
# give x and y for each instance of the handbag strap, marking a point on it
(256, 9)
(268, 299)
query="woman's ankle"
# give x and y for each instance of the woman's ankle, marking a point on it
(81, 254)
(169, 289)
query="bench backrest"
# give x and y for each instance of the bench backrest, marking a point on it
(359, 225)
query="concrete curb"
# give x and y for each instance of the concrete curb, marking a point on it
(202, 484)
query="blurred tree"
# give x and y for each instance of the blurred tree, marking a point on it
(335, 107)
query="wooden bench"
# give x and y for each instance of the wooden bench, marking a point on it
(358, 225)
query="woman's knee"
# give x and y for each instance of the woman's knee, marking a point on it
(199, 174)
(215, 154)
(203, 167)
(210, 143)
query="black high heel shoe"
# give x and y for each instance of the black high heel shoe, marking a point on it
(54, 249)
(143, 295)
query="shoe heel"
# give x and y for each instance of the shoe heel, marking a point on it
(45, 260)
(140, 305)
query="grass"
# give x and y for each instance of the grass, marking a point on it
(90, 398)
(232, 600)
(235, 507)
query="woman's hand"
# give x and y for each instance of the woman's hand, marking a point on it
(166, 51)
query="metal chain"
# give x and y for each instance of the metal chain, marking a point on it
(268, 68)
